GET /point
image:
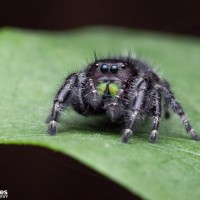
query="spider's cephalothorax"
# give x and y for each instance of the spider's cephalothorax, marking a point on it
(124, 89)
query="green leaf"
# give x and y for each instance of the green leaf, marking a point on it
(33, 66)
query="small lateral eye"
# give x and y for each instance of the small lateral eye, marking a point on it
(104, 68)
(114, 69)
(122, 66)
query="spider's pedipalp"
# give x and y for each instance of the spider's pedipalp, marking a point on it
(114, 109)
(92, 94)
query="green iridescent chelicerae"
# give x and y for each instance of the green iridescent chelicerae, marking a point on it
(113, 88)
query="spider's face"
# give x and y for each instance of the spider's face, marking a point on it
(110, 71)
(109, 77)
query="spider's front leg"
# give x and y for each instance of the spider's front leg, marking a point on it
(61, 101)
(134, 112)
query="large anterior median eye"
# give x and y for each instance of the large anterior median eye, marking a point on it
(104, 68)
(114, 69)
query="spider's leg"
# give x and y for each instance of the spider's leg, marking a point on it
(166, 103)
(61, 101)
(93, 94)
(81, 82)
(156, 116)
(134, 112)
(166, 111)
(176, 107)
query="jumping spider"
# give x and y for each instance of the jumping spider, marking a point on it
(125, 89)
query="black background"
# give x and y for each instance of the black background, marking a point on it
(34, 173)
(179, 16)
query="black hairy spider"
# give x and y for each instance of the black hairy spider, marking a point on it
(124, 89)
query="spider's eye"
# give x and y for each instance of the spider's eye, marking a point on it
(104, 68)
(114, 69)
(122, 66)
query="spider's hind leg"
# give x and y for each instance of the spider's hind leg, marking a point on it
(166, 110)
(156, 116)
(167, 114)
(176, 107)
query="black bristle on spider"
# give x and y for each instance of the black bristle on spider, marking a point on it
(125, 89)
